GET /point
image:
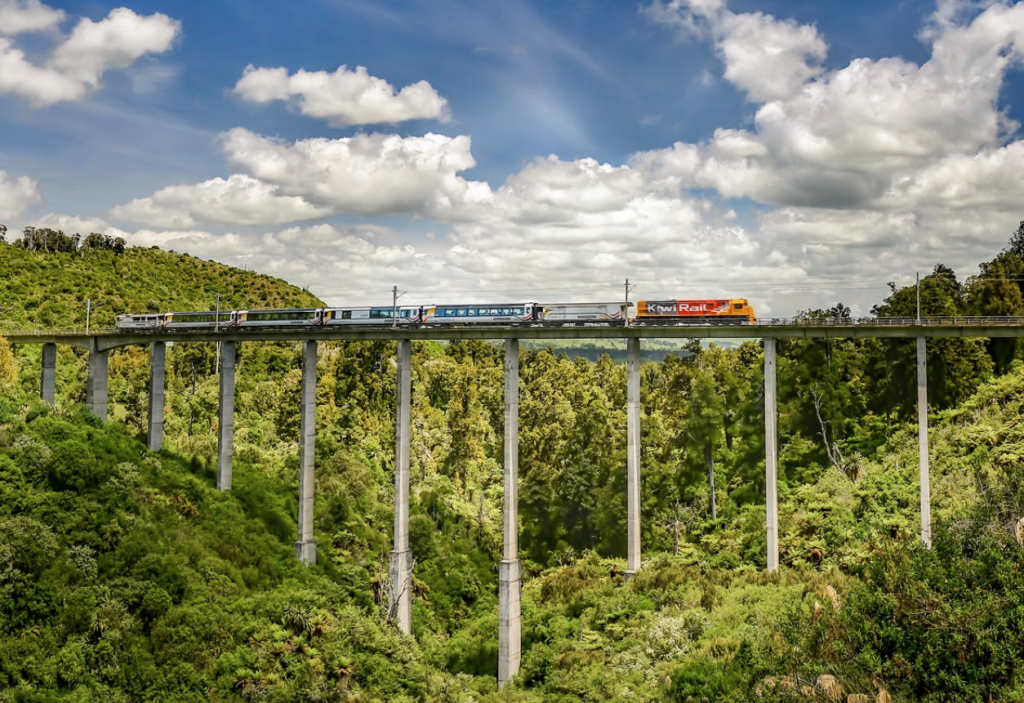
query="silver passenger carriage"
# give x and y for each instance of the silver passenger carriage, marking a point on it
(383, 315)
(296, 317)
(584, 314)
(147, 321)
(198, 320)
(482, 314)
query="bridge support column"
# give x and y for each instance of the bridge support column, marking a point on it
(226, 416)
(400, 593)
(96, 384)
(157, 359)
(305, 546)
(771, 454)
(633, 455)
(48, 385)
(509, 612)
(922, 441)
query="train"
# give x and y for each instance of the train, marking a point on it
(646, 312)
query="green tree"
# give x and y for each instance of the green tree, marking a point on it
(1016, 244)
(8, 365)
(997, 292)
(956, 367)
(704, 425)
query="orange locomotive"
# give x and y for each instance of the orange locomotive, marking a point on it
(695, 312)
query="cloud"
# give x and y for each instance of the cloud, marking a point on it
(16, 194)
(71, 224)
(78, 63)
(237, 200)
(115, 42)
(367, 174)
(39, 84)
(767, 58)
(370, 174)
(343, 98)
(854, 136)
(844, 178)
(17, 16)
(992, 179)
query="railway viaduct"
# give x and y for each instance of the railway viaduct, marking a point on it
(100, 343)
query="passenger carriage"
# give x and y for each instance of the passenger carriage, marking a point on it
(494, 314)
(583, 313)
(384, 315)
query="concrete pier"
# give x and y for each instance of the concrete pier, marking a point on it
(96, 384)
(157, 361)
(922, 441)
(226, 416)
(771, 454)
(633, 455)
(509, 585)
(305, 546)
(400, 593)
(48, 384)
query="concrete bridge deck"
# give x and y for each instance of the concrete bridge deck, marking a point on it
(778, 328)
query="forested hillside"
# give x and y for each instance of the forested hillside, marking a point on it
(125, 576)
(47, 288)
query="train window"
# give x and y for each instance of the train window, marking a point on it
(738, 306)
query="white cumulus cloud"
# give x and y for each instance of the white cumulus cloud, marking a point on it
(343, 98)
(16, 195)
(767, 58)
(237, 200)
(850, 137)
(17, 16)
(370, 174)
(78, 63)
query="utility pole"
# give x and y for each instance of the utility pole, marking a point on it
(89, 307)
(395, 295)
(625, 312)
(216, 328)
(918, 298)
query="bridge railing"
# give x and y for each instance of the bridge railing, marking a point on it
(800, 321)
(946, 321)
(56, 331)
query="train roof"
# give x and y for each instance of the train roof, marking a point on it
(487, 305)
(277, 310)
(574, 304)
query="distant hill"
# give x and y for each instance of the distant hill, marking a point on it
(41, 289)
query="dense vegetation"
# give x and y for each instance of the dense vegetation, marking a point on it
(125, 576)
(40, 288)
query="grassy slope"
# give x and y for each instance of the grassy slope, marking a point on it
(49, 290)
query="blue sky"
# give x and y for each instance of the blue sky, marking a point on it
(596, 83)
